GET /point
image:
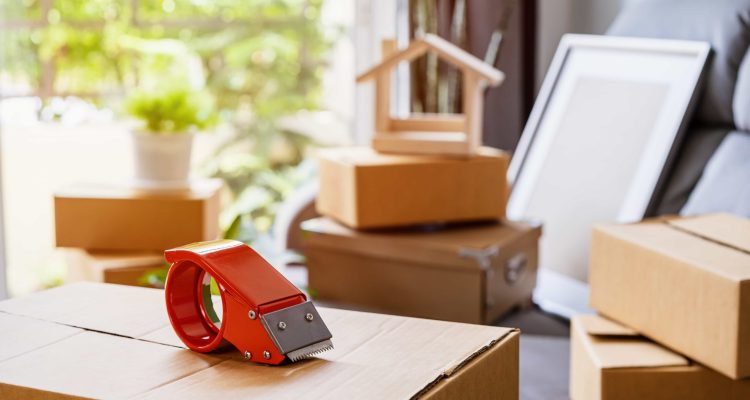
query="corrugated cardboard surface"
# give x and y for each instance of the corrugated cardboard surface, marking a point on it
(610, 361)
(376, 356)
(95, 365)
(101, 217)
(122, 268)
(455, 273)
(365, 189)
(682, 282)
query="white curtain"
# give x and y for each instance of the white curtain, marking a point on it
(3, 276)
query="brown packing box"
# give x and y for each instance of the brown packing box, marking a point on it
(612, 362)
(683, 282)
(111, 267)
(470, 273)
(365, 189)
(111, 217)
(111, 341)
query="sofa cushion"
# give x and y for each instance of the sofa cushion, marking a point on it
(742, 95)
(723, 23)
(697, 148)
(724, 187)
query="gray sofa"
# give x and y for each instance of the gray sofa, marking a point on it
(712, 170)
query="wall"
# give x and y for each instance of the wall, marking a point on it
(556, 17)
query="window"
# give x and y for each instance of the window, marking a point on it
(281, 72)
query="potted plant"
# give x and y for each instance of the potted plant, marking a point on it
(171, 115)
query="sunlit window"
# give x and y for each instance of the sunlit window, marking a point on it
(280, 74)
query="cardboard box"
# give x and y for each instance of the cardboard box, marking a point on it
(112, 341)
(111, 267)
(684, 283)
(110, 217)
(610, 361)
(470, 273)
(365, 189)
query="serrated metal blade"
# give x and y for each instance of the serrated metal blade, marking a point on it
(311, 350)
(297, 331)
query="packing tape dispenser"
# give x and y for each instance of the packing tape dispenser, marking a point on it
(263, 314)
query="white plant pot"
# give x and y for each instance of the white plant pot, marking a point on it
(162, 161)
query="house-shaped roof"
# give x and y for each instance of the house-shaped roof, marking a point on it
(445, 50)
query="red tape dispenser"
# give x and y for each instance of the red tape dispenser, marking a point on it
(263, 314)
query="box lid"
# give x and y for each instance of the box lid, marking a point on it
(729, 230)
(198, 190)
(366, 156)
(106, 260)
(26, 334)
(451, 246)
(95, 365)
(375, 356)
(615, 346)
(718, 243)
(115, 309)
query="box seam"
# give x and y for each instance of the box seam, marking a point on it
(46, 344)
(443, 375)
(179, 378)
(669, 224)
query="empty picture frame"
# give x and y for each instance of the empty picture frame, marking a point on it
(600, 138)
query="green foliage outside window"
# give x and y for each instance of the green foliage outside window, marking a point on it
(172, 109)
(260, 59)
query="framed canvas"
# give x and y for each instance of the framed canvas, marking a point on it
(601, 137)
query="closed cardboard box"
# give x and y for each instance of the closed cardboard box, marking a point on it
(365, 189)
(112, 217)
(469, 273)
(110, 341)
(122, 268)
(612, 362)
(683, 282)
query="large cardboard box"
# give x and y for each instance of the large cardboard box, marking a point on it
(469, 273)
(122, 268)
(365, 189)
(110, 341)
(683, 282)
(119, 217)
(612, 362)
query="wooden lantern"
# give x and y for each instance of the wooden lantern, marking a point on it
(446, 134)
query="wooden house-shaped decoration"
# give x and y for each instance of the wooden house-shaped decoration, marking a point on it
(446, 134)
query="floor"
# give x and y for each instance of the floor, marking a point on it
(545, 354)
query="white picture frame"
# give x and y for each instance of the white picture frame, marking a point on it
(600, 139)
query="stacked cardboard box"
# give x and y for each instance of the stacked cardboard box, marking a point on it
(683, 283)
(422, 236)
(467, 273)
(117, 233)
(365, 189)
(425, 180)
(419, 235)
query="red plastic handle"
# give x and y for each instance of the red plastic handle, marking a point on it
(249, 287)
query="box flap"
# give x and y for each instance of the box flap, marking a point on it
(373, 366)
(106, 260)
(447, 248)
(729, 230)
(680, 239)
(22, 334)
(600, 326)
(375, 355)
(364, 156)
(120, 310)
(622, 351)
(201, 189)
(97, 365)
